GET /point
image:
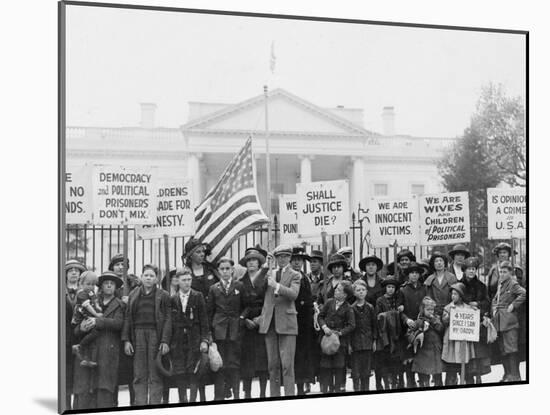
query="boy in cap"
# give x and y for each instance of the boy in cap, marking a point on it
(316, 275)
(349, 272)
(146, 332)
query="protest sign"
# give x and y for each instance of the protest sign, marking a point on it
(78, 200)
(393, 219)
(444, 218)
(323, 207)
(506, 213)
(123, 195)
(288, 221)
(464, 324)
(175, 211)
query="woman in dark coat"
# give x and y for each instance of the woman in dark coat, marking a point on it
(253, 351)
(304, 365)
(190, 335)
(96, 387)
(475, 294)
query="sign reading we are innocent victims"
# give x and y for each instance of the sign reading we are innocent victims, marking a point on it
(393, 219)
(175, 211)
(123, 195)
(323, 207)
(444, 218)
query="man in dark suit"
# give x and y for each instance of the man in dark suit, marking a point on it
(278, 322)
(226, 310)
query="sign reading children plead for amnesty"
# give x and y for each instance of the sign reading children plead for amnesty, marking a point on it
(506, 213)
(123, 195)
(444, 218)
(323, 207)
(464, 324)
(175, 211)
(78, 198)
(393, 219)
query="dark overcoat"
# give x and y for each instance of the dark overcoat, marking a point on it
(305, 341)
(225, 310)
(427, 359)
(365, 332)
(108, 345)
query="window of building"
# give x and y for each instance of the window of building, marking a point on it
(417, 189)
(380, 189)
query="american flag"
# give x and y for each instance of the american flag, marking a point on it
(231, 207)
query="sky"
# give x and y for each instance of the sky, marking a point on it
(118, 58)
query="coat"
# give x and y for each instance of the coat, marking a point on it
(108, 343)
(510, 293)
(341, 320)
(440, 293)
(163, 316)
(253, 350)
(305, 341)
(225, 310)
(455, 351)
(374, 292)
(316, 284)
(366, 331)
(203, 282)
(189, 329)
(427, 359)
(412, 298)
(281, 307)
(327, 290)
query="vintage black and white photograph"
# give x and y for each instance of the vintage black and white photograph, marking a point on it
(260, 206)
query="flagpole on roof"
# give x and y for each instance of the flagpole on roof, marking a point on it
(268, 171)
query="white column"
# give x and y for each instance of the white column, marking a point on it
(194, 173)
(357, 187)
(305, 168)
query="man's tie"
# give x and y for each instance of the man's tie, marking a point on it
(278, 277)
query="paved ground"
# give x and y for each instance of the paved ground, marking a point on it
(494, 376)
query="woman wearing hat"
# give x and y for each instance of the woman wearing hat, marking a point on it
(371, 266)
(404, 258)
(73, 269)
(96, 387)
(475, 294)
(336, 266)
(458, 254)
(253, 351)
(303, 358)
(190, 334)
(439, 283)
(204, 275)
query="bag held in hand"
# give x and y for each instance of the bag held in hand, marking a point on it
(330, 344)
(214, 358)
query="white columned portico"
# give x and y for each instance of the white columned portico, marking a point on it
(357, 185)
(305, 168)
(194, 172)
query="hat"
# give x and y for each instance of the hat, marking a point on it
(438, 254)
(201, 367)
(116, 259)
(459, 287)
(345, 250)
(407, 253)
(390, 281)
(413, 266)
(109, 276)
(425, 264)
(316, 255)
(390, 268)
(73, 263)
(470, 262)
(459, 249)
(254, 253)
(299, 252)
(225, 259)
(506, 246)
(372, 258)
(183, 271)
(160, 362)
(190, 247)
(336, 259)
(282, 250)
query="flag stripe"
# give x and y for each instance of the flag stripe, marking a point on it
(224, 244)
(232, 223)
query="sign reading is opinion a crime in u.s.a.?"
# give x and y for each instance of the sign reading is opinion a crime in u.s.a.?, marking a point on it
(323, 207)
(175, 211)
(393, 220)
(78, 197)
(444, 218)
(506, 213)
(464, 324)
(123, 195)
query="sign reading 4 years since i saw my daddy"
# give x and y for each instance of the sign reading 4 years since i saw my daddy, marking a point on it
(123, 196)
(323, 207)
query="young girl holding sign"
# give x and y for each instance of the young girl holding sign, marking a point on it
(455, 352)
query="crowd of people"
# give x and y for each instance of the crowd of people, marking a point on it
(287, 318)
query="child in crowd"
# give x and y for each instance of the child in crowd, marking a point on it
(338, 317)
(363, 338)
(425, 339)
(87, 305)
